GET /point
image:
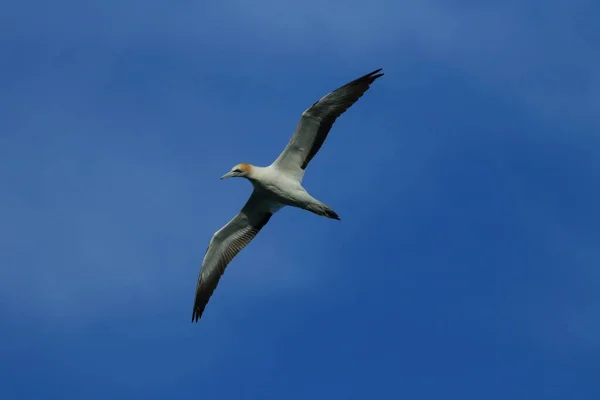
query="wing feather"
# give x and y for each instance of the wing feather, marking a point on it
(225, 244)
(317, 120)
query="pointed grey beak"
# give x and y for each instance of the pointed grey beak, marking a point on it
(227, 175)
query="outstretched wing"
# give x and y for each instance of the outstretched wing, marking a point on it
(225, 244)
(316, 122)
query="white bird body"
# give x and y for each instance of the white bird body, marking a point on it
(281, 188)
(276, 186)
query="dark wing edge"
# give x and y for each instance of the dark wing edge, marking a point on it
(243, 228)
(324, 112)
(344, 98)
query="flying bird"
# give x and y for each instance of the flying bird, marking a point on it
(276, 186)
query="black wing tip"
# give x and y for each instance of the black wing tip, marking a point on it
(197, 314)
(368, 79)
(199, 306)
(373, 75)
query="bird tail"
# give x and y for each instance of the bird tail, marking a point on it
(322, 210)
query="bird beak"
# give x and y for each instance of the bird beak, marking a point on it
(227, 175)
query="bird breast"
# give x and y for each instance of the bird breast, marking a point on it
(282, 188)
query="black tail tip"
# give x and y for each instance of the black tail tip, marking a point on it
(333, 215)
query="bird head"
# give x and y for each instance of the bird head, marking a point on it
(239, 171)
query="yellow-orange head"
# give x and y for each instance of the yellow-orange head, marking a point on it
(240, 170)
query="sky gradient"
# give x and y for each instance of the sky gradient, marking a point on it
(466, 264)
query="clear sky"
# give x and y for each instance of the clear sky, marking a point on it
(466, 264)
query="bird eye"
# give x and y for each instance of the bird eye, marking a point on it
(237, 170)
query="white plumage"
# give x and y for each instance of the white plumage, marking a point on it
(276, 186)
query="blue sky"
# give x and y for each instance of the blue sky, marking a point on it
(466, 263)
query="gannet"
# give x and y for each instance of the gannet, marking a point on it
(276, 186)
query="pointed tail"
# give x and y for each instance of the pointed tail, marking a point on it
(323, 210)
